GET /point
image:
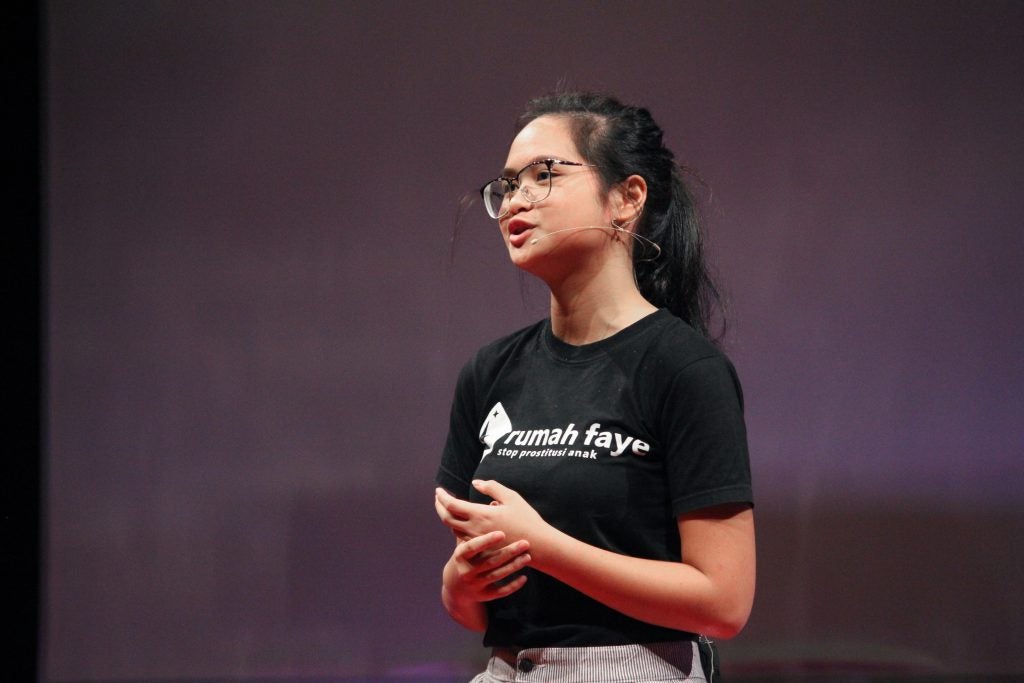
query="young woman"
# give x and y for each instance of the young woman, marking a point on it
(595, 474)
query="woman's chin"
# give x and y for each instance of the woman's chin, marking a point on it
(526, 257)
(521, 258)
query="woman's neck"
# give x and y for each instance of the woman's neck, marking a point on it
(596, 307)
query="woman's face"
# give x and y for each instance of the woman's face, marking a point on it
(531, 230)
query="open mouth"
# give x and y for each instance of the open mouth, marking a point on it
(517, 227)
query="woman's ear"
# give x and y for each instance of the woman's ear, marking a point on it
(630, 199)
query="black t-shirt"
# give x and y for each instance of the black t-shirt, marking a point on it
(609, 442)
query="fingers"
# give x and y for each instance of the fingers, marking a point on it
(462, 516)
(447, 508)
(484, 553)
(458, 509)
(487, 573)
(502, 564)
(472, 547)
(492, 488)
(500, 590)
(469, 519)
(439, 507)
(503, 580)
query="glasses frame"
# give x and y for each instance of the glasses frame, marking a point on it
(512, 184)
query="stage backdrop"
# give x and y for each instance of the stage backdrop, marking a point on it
(256, 316)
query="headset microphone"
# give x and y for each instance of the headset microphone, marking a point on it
(580, 227)
(640, 238)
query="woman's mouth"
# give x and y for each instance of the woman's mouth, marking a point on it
(518, 232)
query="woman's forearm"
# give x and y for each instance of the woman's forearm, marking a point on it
(714, 600)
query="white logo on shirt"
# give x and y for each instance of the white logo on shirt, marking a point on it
(497, 430)
(495, 426)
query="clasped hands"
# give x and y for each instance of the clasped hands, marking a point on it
(491, 541)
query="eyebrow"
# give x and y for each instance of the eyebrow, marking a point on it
(507, 172)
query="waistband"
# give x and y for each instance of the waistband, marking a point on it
(669, 661)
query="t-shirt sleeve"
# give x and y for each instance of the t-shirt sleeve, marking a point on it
(706, 455)
(462, 448)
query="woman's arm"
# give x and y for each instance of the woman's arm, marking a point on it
(711, 591)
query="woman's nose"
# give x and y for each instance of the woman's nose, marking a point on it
(517, 202)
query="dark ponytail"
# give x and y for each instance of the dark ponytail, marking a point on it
(622, 141)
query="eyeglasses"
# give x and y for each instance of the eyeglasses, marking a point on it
(534, 181)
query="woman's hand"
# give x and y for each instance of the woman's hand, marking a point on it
(482, 567)
(508, 512)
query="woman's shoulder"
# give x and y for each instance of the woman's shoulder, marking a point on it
(676, 342)
(679, 358)
(675, 348)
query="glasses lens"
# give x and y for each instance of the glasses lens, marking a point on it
(494, 195)
(535, 181)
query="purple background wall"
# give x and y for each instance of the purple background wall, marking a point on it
(254, 331)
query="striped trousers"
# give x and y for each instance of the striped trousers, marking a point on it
(664, 662)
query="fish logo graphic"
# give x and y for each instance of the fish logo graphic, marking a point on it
(495, 426)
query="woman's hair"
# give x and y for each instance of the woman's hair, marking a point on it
(622, 141)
